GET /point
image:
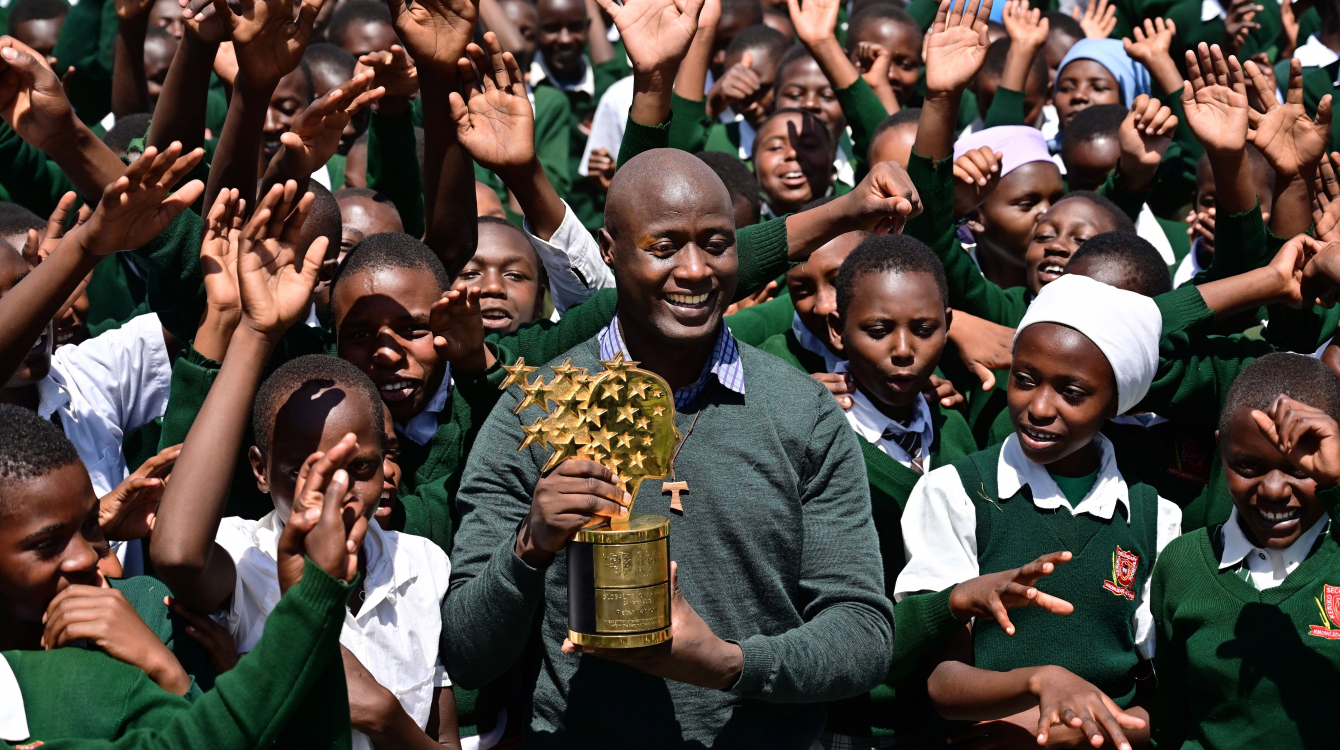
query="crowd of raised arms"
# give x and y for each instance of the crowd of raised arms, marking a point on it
(980, 435)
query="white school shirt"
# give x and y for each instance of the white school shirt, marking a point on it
(13, 718)
(1314, 54)
(106, 388)
(571, 258)
(609, 121)
(811, 343)
(539, 71)
(395, 634)
(870, 423)
(940, 523)
(1266, 568)
(1189, 267)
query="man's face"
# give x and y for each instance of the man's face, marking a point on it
(811, 283)
(563, 25)
(382, 326)
(39, 33)
(288, 101)
(361, 216)
(49, 540)
(674, 258)
(362, 37)
(36, 363)
(506, 272)
(167, 14)
(315, 418)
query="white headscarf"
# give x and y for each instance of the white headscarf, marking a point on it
(1124, 325)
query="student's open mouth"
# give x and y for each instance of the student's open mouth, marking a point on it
(270, 144)
(1280, 521)
(793, 180)
(40, 347)
(496, 318)
(1049, 272)
(1037, 439)
(690, 301)
(901, 383)
(398, 390)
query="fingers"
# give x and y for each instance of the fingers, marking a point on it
(984, 374)
(1042, 566)
(1264, 90)
(56, 222)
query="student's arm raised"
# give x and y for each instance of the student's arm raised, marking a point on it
(135, 207)
(656, 34)
(1292, 142)
(1215, 102)
(185, 94)
(314, 136)
(816, 26)
(130, 85)
(1028, 33)
(274, 295)
(955, 50)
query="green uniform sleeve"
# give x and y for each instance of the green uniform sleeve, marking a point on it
(193, 375)
(1240, 246)
(293, 674)
(554, 122)
(393, 167)
(31, 179)
(864, 112)
(754, 325)
(79, 46)
(923, 623)
(969, 290)
(689, 124)
(1169, 717)
(1007, 108)
(638, 138)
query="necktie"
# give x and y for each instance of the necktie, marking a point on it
(908, 441)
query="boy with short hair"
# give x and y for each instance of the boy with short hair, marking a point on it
(895, 31)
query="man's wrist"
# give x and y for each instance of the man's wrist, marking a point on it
(730, 664)
(526, 550)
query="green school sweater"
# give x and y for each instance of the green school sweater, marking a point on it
(145, 593)
(1241, 668)
(753, 325)
(1192, 31)
(290, 690)
(1102, 581)
(393, 167)
(786, 347)
(553, 136)
(777, 552)
(86, 41)
(116, 293)
(28, 176)
(900, 706)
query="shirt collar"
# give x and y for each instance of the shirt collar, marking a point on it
(1314, 54)
(1211, 10)
(13, 719)
(421, 426)
(843, 171)
(539, 71)
(870, 423)
(1014, 471)
(725, 362)
(1237, 546)
(812, 344)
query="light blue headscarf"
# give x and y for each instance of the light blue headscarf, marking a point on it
(1131, 76)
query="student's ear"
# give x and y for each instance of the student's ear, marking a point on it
(606, 248)
(835, 332)
(949, 318)
(258, 469)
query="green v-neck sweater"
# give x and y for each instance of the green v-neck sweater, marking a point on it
(1241, 668)
(1097, 642)
(289, 691)
(777, 552)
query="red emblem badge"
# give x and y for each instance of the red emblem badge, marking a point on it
(1329, 607)
(1123, 574)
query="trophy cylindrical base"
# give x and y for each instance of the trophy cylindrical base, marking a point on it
(619, 584)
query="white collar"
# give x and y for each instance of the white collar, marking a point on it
(1314, 54)
(1237, 546)
(1014, 471)
(421, 426)
(1211, 10)
(384, 579)
(870, 423)
(747, 133)
(1146, 420)
(539, 71)
(13, 720)
(811, 343)
(843, 171)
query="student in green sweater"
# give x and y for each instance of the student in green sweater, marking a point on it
(291, 691)
(1084, 353)
(1264, 574)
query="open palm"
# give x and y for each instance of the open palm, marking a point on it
(956, 46)
(656, 33)
(815, 20)
(436, 31)
(140, 204)
(1216, 100)
(315, 134)
(267, 40)
(1286, 136)
(274, 283)
(32, 99)
(1025, 26)
(495, 124)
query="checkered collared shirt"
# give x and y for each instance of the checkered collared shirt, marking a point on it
(725, 362)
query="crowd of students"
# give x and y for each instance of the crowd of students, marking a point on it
(988, 437)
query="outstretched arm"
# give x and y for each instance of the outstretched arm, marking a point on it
(955, 50)
(183, 101)
(1292, 143)
(130, 85)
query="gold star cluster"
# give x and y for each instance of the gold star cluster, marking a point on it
(622, 417)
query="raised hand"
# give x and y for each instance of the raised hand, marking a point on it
(1215, 100)
(268, 42)
(394, 71)
(320, 526)
(140, 204)
(740, 83)
(656, 33)
(219, 252)
(435, 32)
(873, 61)
(989, 596)
(956, 46)
(976, 174)
(274, 282)
(458, 329)
(882, 202)
(315, 133)
(815, 20)
(32, 99)
(496, 124)
(1151, 41)
(1240, 23)
(1326, 199)
(103, 617)
(1097, 20)
(1145, 134)
(1290, 140)
(1026, 27)
(1304, 434)
(127, 512)
(37, 247)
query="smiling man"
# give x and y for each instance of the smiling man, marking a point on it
(778, 588)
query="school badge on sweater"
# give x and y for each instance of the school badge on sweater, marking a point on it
(624, 419)
(1329, 604)
(1123, 574)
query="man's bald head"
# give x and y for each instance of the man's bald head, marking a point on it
(663, 179)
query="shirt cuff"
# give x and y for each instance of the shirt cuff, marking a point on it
(572, 259)
(1182, 308)
(759, 666)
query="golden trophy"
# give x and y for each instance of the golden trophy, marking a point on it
(618, 569)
